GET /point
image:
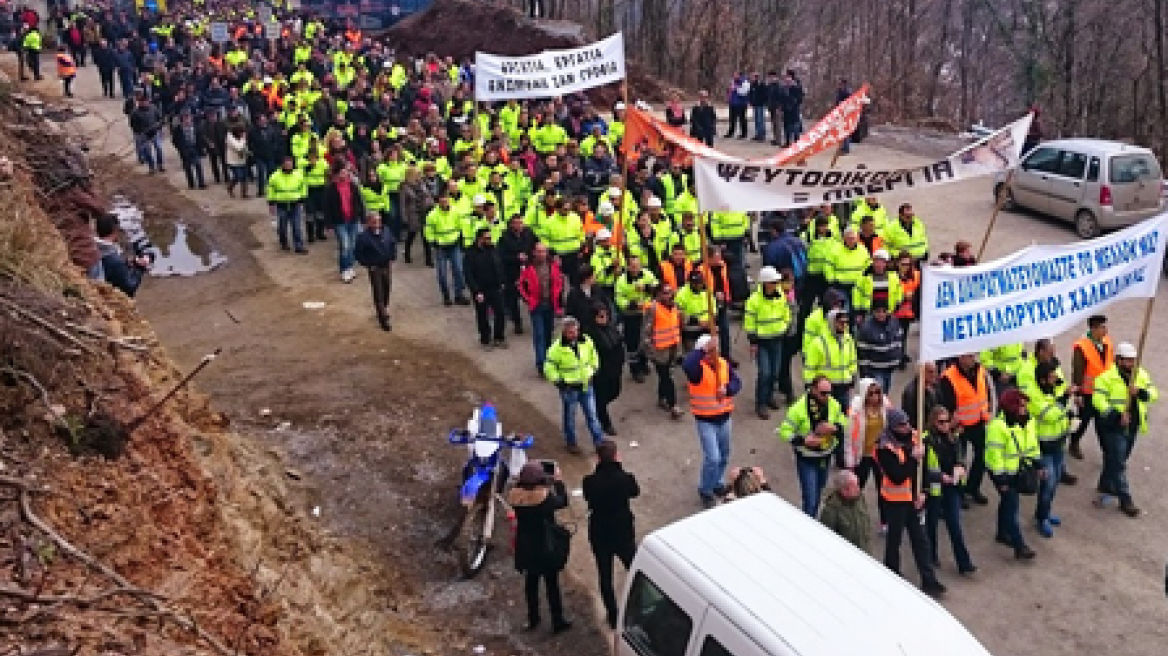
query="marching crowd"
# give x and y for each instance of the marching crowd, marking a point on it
(526, 212)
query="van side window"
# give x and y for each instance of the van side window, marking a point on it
(1093, 170)
(1073, 165)
(654, 625)
(711, 647)
(1043, 160)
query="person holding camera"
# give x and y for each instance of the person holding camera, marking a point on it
(608, 490)
(123, 273)
(1012, 457)
(541, 544)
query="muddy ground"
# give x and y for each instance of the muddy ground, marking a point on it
(365, 431)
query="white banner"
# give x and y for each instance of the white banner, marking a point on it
(743, 186)
(550, 73)
(1040, 291)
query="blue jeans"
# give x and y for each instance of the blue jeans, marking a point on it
(346, 240)
(569, 398)
(770, 359)
(449, 256)
(715, 441)
(149, 151)
(263, 171)
(948, 507)
(760, 121)
(288, 215)
(1117, 445)
(812, 473)
(543, 319)
(1054, 463)
(1008, 527)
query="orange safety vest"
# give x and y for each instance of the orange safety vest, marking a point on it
(669, 275)
(890, 491)
(273, 97)
(909, 287)
(973, 406)
(666, 327)
(1095, 365)
(216, 62)
(708, 273)
(65, 66)
(703, 397)
(353, 36)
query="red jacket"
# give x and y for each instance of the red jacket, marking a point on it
(529, 286)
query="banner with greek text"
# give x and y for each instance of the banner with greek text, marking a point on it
(744, 186)
(1040, 291)
(550, 73)
(645, 132)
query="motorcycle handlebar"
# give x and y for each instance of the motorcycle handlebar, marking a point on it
(515, 441)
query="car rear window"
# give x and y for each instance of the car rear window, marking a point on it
(1133, 168)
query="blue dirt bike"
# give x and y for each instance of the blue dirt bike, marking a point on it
(494, 461)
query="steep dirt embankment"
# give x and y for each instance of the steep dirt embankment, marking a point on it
(115, 536)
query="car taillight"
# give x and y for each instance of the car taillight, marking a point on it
(1105, 195)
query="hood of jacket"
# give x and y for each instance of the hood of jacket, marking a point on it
(520, 497)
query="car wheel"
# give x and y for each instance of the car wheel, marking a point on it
(1086, 225)
(1004, 196)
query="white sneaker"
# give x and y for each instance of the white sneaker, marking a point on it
(348, 275)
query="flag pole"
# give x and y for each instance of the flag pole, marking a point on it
(623, 158)
(998, 203)
(1143, 339)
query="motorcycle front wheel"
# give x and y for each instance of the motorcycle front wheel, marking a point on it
(472, 543)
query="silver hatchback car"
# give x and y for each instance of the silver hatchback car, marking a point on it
(1093, 183)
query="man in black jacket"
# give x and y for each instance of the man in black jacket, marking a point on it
(776, 95)
(759, 99)
(103, 57)
(703, 122)
(792, 109)
(266, 143)
(607, 491)
(515, 246)
(185, 137)
(484, 279)
(376, 249)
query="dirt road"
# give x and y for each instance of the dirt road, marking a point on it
(367, 410)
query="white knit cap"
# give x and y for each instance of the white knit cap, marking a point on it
(1126, 350)
(603, 233)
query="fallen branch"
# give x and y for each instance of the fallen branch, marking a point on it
(150, 599)
(19, 373)
(129, 343)
(44, 323)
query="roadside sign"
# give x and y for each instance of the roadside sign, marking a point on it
(220, 33)
(271, 30)
(265, 14)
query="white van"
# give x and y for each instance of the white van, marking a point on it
(1093, 183)
(757, 577)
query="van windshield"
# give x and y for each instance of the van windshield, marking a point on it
(653, 624)
(1133, 168)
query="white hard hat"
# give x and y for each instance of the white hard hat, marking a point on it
(653, 203)
(703, 342)
(478, 200)
(1125, 350)
(881, 254)
(614, 192)
(769, 274)
(618, 106)
(603, 233)
(605, 209)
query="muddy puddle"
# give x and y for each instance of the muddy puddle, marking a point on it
(179, 249)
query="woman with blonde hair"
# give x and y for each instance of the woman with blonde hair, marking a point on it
(867, 417)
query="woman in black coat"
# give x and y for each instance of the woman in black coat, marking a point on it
(610, 346)
(536, 499)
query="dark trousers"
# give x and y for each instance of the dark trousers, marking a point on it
(791, 346)
(631, 326)
(666, 390)
(314, 214)
(1117, 443)
(865, 469)
(218, 167)
(1086, 413)
(975, 437)
(67, 83)
(947, 506)
(193, 168)
(737, 121)
(78, 53)
(551, 581)
(107, 82)
(608, 388)
(814, 287)
(489, 310)
(381, 280)
(1008, 527)
(33, 57)
(604, 555)
(569, 265)
(511, 303)
(904, 517)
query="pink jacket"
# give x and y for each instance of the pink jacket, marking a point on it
(529, 286)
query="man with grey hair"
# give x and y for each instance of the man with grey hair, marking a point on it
(571, 362)
(846, 512)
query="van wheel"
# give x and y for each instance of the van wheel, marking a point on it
(1086, 225)
(1004, 196)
